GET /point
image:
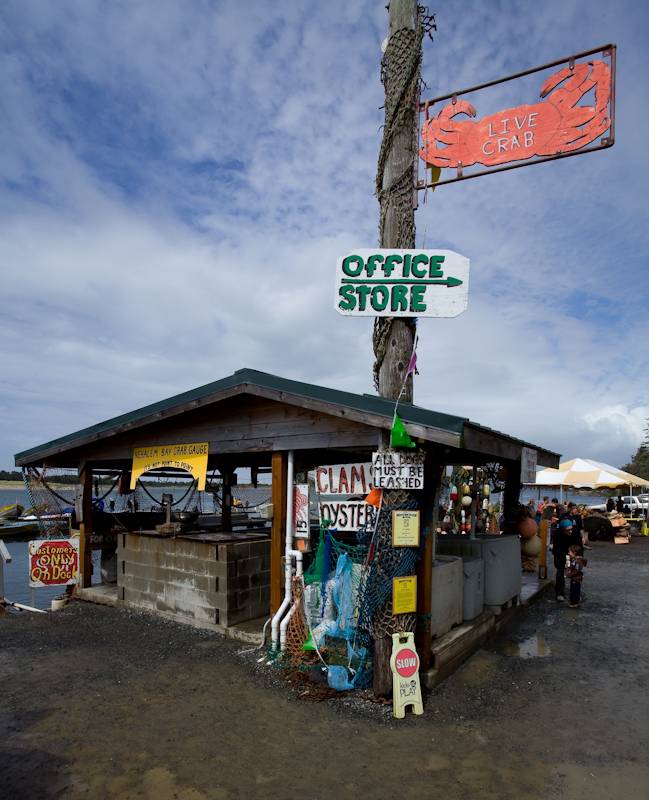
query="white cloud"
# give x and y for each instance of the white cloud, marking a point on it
(179, 184)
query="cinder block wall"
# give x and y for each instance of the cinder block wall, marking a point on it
(192, 581)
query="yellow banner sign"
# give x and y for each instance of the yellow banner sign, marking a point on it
(404, 595)
(190, 457)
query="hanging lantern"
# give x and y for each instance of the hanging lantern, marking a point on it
(453, 493)
(486, 490)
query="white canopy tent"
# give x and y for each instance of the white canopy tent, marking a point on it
(584, 473)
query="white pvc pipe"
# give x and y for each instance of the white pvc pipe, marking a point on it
(284, 623)
(288, 550)
(23, 607)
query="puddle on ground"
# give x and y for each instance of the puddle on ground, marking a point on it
(532, 647)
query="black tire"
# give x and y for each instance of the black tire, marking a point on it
(598, 528)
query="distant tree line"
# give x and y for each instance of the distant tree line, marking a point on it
(10, 475)
(639, 464)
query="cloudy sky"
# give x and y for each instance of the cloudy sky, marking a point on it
(178, 179)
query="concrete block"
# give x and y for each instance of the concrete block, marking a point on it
(259, 548)
(164, 605)
(222, 569)
(239, 583)
(202, 550)
(235, 616)
(259, 610)
(248, 566)
(239, 550)
(149, 587)
(138, 599)
(260, 579)
(247, 597)
(188, 594)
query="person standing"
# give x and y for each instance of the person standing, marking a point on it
(610, 505)
(619, 506)
(575, 515)
(576, 564)
(563, 537)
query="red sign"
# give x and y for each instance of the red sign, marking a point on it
(406, 662)
(556, 125)
(53, 562)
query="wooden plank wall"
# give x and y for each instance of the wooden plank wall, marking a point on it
(240, 425)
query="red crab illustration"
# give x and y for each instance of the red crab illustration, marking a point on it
(299, 501)
(555, 125)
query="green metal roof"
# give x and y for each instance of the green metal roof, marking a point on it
(367, 403)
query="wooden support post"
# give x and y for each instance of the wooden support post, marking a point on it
(226, 500)
(278, 533)
(85, 528)
(423, 634)
(544, 532)
(511, 495)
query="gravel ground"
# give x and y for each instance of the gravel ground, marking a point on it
(104, 703)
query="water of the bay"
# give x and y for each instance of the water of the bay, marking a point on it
(16, 573)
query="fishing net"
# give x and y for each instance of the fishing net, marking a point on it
(344, 600)
(297, 632)
(52, 494)
(376, 619)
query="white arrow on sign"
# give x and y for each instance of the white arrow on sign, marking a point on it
(402, 283)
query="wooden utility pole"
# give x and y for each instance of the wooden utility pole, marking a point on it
(395, 183)
(395, 187)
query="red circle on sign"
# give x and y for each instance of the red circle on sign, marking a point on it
(406, 662)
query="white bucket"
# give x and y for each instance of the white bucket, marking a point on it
(58, 603)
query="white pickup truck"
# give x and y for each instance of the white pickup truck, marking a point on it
(636, 506)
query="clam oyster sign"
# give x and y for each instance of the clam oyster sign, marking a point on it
(402, 283)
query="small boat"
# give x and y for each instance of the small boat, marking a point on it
(18, 529)
(11, 512)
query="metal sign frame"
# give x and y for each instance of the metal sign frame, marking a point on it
(607, 51)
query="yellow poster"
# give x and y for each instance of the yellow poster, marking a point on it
(190, 457)
(405, 529)
(404, 595)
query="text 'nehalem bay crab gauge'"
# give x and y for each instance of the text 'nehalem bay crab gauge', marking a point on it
(402, 283)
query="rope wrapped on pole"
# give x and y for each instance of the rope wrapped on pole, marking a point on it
(396, 171)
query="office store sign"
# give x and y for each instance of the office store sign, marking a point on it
(402, 283)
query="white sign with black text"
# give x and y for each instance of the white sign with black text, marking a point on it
(343, 479)
(397, 470)
(346, 515)
(301, 510)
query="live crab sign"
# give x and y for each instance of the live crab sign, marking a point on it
(555, 127)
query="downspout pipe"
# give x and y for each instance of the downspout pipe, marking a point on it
(288, 550)
(284, 623)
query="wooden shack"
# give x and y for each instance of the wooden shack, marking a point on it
(230, 580)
